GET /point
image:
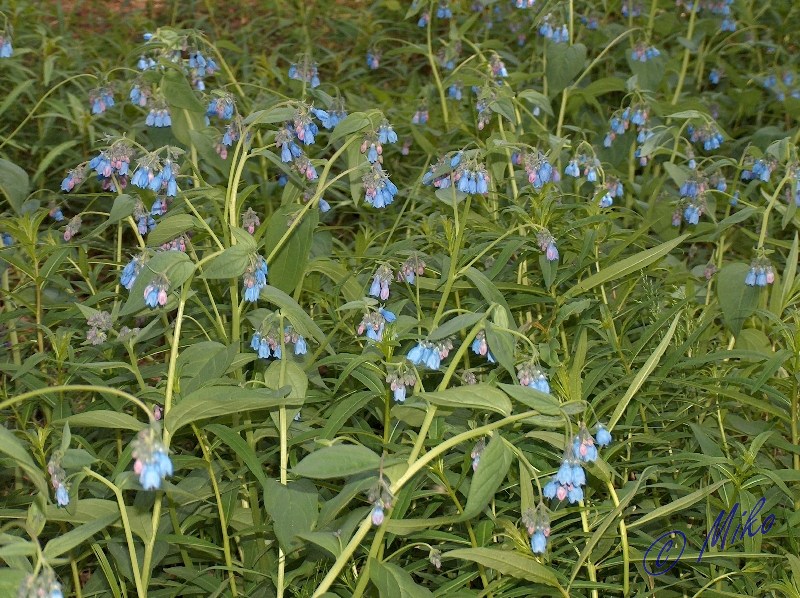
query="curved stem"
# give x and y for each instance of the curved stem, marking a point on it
(77, 388)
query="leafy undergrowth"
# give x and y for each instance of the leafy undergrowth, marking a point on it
(453, 299)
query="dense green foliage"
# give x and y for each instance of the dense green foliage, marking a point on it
(587, 224)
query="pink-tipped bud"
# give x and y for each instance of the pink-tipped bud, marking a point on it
(162, 297)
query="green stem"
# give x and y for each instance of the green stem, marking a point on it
(435, 70)
(686, 54)
(76, 388)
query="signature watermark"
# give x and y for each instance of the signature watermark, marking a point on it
(667, 558)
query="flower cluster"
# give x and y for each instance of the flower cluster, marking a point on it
(151, 174)
(58, 479)
(100, 323)
(782, 87)
(131, 271)
(410, 269)
(497, 66)
(620, 123)
(73, 228)
(613, 188)
(547, 243)
(152, 463)
(374, 323)
(708, 135)
(155, 293)
(379, 191)
(430, 353)
(232, 133)
(471, 179)
(380, 496)
(531, 375)
(6, 50)
(569, 479)
(266, 342)
(399, 380)
(43, 585)
(476, 453)
(642, 52)
(373, 59)
(760, 170)
(760, 273)
(292, 337)
(420, 117)
(380, 282)
(222, 106)
(582, 163)
(74, 178)
(250, 221)
(144, 219)
(305, 70)
(101, 99)
(479, 347)
(55, 212)
(537, 522)
(629, 9)
(254, 278)
(538, 167)
(159, 116)
(177, 244)
(140, 94)
(555, 33)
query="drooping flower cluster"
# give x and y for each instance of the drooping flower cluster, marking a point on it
(760, 170)
(254, 278)
(531, 375)
(140, 94)
(373, 59)
(497, 66)
(471, 178)
(152, 174)
(638, 114)
(159, 116)
(250, 221)
(144, 219)
(155, 293)
(6, 50)
(582, 163)
(643, 52)
(55, 212)
(333, 116)
(707, 134)
(131, 270)
(537, 522)
(476, 453)
(760, 273)
(410, 269)
(233, 131)
(420, 117)
(631, 9)
(547, 243)
(152, 463)
(429, 353)
(381, 499)
(304, 69)
(613, 188)
(692, 204)
(479, 347)
(43, 585)
(58, 478)
(374, 323)
(568, 481)
(100, 323)
(555, 33)
(538, 167)
(267, 341)
(73, 227)
(380, 282)
(399, 380)
(379, 191)
(783, 87)
(177, 244)
(101, 99)
(222, 106)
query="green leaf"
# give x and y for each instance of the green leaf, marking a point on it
(537, 99)
(14, 184)
(293, 377)
(564, 63)
(179, 94)
(737, 301)
(293, 509)
(66, 542)
(677, 505)
(492, 470)
(501, 345)
(204, 361)
(121, 208)
(475, 396)
(231, 263)
(393, 581)
(288, 266)
(103, 418)
(337, 461)
(219, 401)
(169, 228)
(13, 447)
(353, 123)
(241, 448)
(642, 374)
(542, 402)
(276, 114)
(455, 325)
(626, 266)
(508, 562)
